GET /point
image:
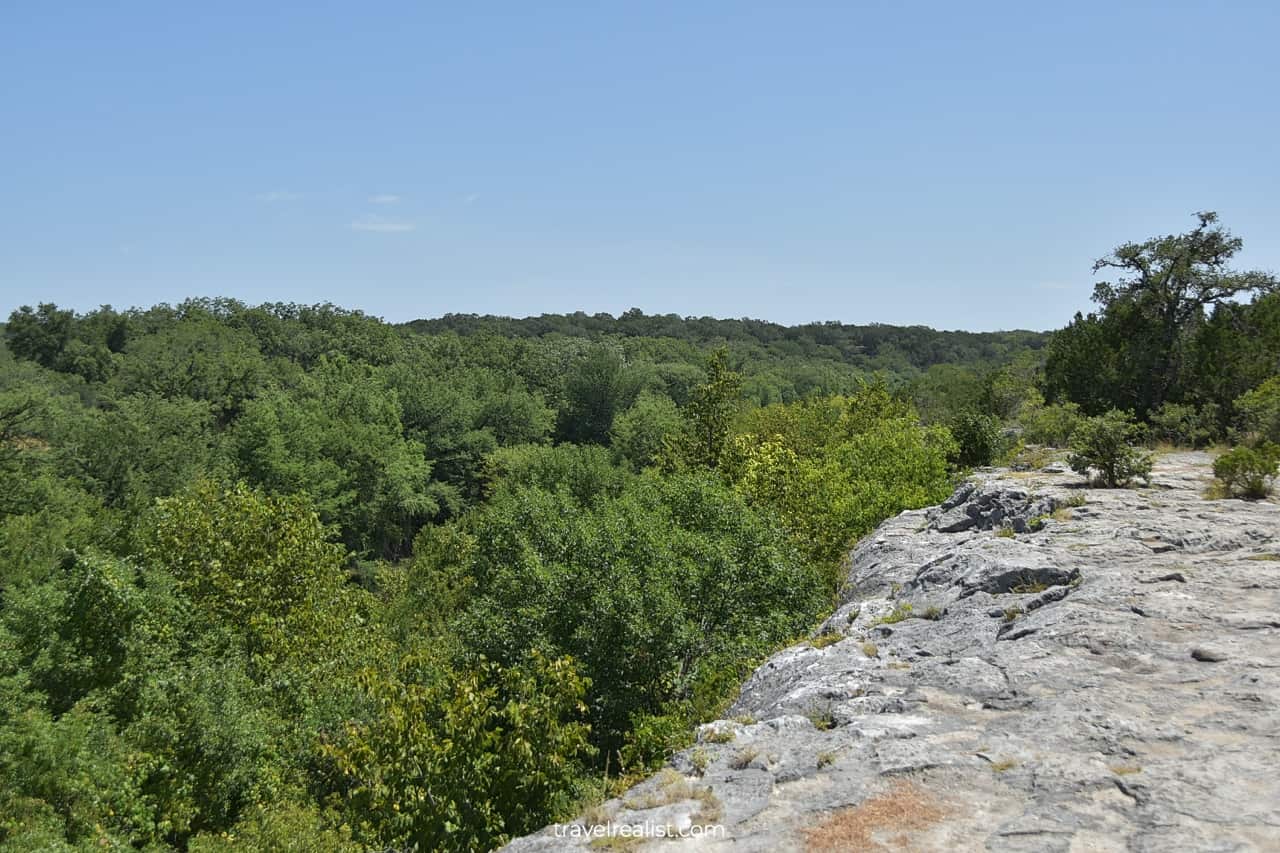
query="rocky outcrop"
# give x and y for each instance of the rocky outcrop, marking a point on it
(1034, 665)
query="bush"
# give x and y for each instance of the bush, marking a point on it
(1260, 410)
(1052, 425)
(1184, 425)
(1105, 444)
(1249, 472)
(977, 437)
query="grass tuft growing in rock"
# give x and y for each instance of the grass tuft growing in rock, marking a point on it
(824, 640)
(744, 758)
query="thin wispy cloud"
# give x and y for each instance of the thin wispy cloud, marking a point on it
(278, 195)
(384, 198)
(381, 224)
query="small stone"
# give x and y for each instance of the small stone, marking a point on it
(1172, 576)
(1206, 654)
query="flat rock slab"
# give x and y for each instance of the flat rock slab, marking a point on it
(1106, 679)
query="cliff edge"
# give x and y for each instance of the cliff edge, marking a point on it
(1033, 665)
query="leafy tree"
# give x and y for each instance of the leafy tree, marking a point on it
(708, 416)
(1083, 365)
(678, 574)
(1050, 424)
(640, 433)
(260, 563)
(139, 447)
(200, 359)
(585, 472)
(41, 334)
(1185, 425)
(285, 827)
(339, 438)
(1148, 315)
(832, 469)
(1105, 444)
(462, 761)
(17, 416)
(595, 391)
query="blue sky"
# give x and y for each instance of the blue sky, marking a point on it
(956, 165)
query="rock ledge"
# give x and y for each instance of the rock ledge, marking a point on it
(1104, 679)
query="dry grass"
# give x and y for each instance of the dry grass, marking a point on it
(881, 823)
(710, 810)
(1125, 769)
(870, 649)
(744, 758)
(671, 788)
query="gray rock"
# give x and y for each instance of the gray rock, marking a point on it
(1062, 700)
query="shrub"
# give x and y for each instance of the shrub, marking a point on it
(1260, 410)
(1053, 424)
(1249, 472)
(652, 739)
(978, 437)
(1105, 444)
(1184, 425)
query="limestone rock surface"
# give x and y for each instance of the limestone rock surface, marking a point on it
(1107, 678)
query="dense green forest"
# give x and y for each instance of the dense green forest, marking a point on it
(290, 577)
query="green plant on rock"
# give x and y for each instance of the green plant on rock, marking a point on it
(1249, 472)
(898, 614)
(1105, 444)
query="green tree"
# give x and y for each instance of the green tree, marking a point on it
(679, 576)
(39, 334)
(640, 433)
(462, 761)
(338, 437)
(260, 563)
(1260, 411)
(1149, 314)
(708, 416)
(596, 389)
(977, 438)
